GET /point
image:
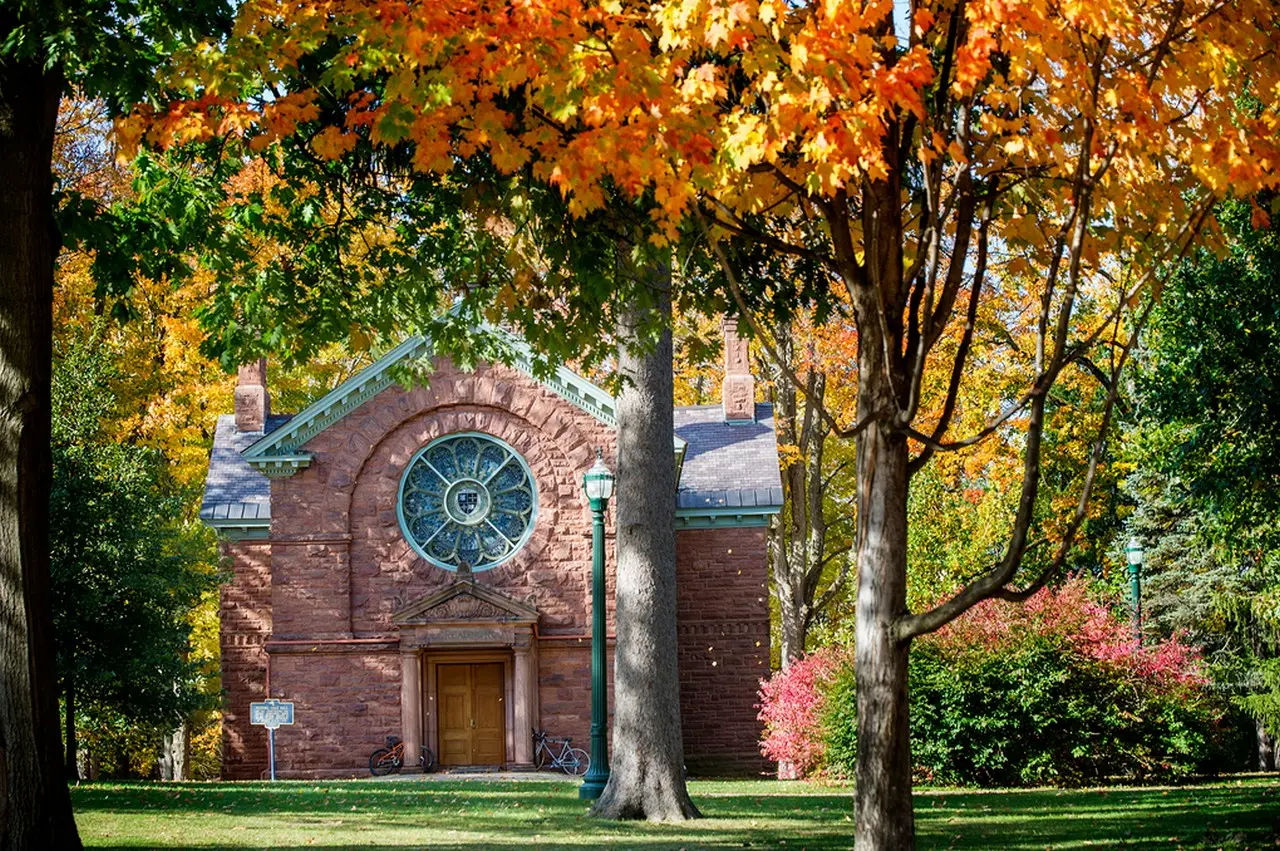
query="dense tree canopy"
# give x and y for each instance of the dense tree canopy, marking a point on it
(1074, 148)
(1204, 444)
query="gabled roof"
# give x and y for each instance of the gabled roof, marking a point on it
(279, 452)
(236, 496)
(728, 473)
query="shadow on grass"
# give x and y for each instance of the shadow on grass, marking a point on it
(748, 814)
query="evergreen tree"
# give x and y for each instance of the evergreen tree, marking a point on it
(1207, 484)
(127, 567)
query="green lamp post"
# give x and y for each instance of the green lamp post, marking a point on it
(1134, 554)
(598, 483)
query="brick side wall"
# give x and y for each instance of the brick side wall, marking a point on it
(723, 629)
(245, 606)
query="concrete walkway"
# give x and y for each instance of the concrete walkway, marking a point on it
(482, 776)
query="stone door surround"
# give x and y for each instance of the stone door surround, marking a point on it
(467, 622)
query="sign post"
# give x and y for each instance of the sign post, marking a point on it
(271, 714)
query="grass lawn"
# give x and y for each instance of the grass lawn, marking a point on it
(485, 814)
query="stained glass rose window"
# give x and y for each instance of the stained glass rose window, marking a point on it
(467, 498)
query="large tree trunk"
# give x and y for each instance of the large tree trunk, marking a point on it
(35, 807)
(647, 779)
(884, 820)
(883, 814)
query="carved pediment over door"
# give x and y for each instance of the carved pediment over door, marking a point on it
(468, 602)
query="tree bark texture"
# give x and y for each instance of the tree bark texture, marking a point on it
(1266, 747)
(35, 807)
(798, 548)
(173, 757)
(883, 811)
(883, 806)
(647, 777)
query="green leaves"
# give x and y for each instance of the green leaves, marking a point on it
(1207, 455)
(127, 566)
(109, 49)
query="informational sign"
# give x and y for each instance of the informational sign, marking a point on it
(271, 713)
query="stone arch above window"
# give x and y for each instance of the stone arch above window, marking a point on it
(467, 498)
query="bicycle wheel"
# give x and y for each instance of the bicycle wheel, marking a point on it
(426, 759)
(540, 758)
(383, 761)
(575, 762)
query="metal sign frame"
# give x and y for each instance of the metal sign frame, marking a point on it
(272, 714)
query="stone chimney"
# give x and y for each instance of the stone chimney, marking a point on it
(739, 388)
(253, 404)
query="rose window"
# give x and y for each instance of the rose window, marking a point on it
(467, 498)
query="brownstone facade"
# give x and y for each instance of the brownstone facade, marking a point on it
(331, 608)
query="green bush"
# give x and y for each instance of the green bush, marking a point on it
(1056, 692)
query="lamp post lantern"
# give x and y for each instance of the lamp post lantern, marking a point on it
(1134, 554)
(598, 483)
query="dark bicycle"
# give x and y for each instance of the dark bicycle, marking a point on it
(570, 760)
(390, 760)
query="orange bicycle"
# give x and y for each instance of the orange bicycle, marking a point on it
(390, 759)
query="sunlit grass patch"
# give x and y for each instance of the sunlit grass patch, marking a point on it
(739, 814)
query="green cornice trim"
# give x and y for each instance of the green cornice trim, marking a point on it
(565, 383)
(681, 447)
(240, 530)
(276, 453)
(724, 518)
(280, 466)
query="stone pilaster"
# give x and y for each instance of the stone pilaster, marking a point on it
(410, 705)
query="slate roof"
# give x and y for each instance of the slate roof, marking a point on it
(725, 466)
(233, 490)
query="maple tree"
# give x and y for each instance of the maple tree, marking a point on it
(898, 154)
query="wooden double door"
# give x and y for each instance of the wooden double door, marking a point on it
(471, 714)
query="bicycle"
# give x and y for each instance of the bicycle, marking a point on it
(570, 760)
(390, 760)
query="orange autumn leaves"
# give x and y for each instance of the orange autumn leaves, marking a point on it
(741, 100)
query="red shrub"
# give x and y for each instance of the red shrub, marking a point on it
(791, 706)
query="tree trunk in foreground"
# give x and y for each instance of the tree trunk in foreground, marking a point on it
(35, 807)
(647, 778)
(883, 815)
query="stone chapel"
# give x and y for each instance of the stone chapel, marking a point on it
(417, 563)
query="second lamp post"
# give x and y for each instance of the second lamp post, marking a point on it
(598, 483)
(1134, 554)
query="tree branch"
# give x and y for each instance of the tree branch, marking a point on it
(993, 582)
